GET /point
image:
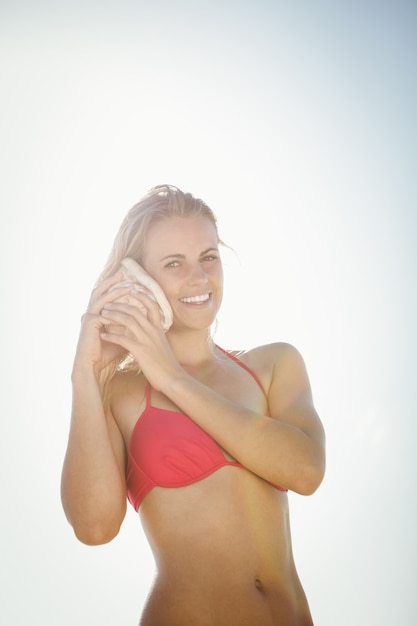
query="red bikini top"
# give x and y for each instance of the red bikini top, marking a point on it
(168, 449)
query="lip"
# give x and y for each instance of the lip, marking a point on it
(196, 299)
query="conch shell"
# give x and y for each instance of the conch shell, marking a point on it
(134, 275)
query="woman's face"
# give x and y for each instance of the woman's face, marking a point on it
(182, 255)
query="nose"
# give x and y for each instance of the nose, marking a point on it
(197, 275)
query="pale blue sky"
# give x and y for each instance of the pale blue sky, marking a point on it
(295, 122)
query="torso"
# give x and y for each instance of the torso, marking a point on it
(222, 545)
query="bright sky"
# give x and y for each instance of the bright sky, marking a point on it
(295, 122)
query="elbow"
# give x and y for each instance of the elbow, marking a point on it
(96, 534)
(312, 470)
(96, 529)
(94, 538)
(310, 479)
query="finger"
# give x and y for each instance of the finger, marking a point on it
(153, 310)
(100, 298)
(130, 321)
(122, 341)
(105, 285)
(131, 300)
(126, 315)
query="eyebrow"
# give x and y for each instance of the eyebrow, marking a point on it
(182, 256)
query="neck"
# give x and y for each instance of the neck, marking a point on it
(193, 347)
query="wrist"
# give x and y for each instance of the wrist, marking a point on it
(179, 385)
(83, 372)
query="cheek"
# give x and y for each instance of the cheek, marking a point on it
(164, 280)
(218, 277)
(168, 286)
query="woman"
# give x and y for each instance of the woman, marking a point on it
(204, 442)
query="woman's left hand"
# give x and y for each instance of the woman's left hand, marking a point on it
(146, 340)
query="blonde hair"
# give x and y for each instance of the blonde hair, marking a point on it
(161, 202)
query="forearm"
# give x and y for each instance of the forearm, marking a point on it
(277, 451)
(93, 486)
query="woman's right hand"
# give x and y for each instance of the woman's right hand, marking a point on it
(92, 351)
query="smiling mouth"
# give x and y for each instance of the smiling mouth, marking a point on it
(196, 299)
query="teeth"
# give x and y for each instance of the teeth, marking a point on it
(203, 298)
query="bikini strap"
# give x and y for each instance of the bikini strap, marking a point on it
(148, 394)
(231, 356)
(245, 367)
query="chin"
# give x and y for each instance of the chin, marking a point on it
(193, 324)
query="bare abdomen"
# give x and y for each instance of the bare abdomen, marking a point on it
(223, 554)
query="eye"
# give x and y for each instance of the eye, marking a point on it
(210, 257)
(172, 264)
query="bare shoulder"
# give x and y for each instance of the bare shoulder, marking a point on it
(272, 352)
(274, 362)
(282, 372)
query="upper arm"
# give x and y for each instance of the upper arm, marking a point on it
(290, 397)
(125, 404)
(117, 441)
